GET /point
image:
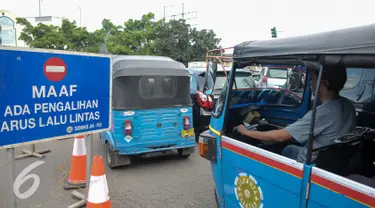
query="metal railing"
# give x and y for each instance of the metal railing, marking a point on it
(220, 58)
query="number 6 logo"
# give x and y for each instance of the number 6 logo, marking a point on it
(23, 177)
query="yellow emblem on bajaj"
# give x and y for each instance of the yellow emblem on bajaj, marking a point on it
(248, 193)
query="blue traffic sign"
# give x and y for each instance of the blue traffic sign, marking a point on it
(52, 94)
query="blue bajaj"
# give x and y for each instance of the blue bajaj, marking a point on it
(152, 110)
(252, 171)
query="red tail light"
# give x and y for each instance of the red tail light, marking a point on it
(186, 122)
(128, 127)
(204, 101)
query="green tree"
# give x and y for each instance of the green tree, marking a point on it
(145, 36)
(135, 37)
(173, 40)
(67, 37)
(41, 36)
(79, 39)
(202, 40)
(178, 40)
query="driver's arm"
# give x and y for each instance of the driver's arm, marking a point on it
(298, 131)
(273, 135)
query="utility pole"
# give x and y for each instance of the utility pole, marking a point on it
(80, 16)
(40, 8)
(183, 16)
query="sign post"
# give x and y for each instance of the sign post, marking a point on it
(12, 174)
(49, 95)
(89, 156)
(32, 153)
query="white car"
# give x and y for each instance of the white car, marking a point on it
(273, 76)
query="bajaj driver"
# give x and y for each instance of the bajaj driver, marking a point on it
(336, 115)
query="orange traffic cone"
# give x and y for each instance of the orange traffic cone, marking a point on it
(98, 196)
(77, 175)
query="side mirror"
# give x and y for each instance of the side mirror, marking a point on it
(210, 77)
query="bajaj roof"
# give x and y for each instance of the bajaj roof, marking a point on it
(147, 66)
(358, 40)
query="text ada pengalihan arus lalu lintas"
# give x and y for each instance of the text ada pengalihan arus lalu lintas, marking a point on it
(66, 110)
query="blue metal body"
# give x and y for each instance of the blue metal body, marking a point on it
(52, 94)
(249, 176)
(146, 136)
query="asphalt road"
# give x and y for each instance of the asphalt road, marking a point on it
(166, 181)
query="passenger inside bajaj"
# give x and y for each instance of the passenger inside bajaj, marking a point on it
(335, 115)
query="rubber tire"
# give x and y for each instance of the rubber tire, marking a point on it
(110, 156)
(181, 155)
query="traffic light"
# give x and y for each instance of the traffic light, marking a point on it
(273, 32)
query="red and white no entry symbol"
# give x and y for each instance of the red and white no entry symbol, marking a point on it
(55, 69)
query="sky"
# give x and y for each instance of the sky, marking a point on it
(234, 21)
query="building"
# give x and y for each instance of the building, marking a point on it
(10, 31)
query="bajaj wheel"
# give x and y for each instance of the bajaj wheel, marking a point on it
(181, 153)
(111, 156)
(114, 159)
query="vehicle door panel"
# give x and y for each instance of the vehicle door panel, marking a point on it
(254, 177)
(331, 190)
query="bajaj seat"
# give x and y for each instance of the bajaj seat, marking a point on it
(335, 158)
(362, 162)
(366, 173)
(338, 157)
